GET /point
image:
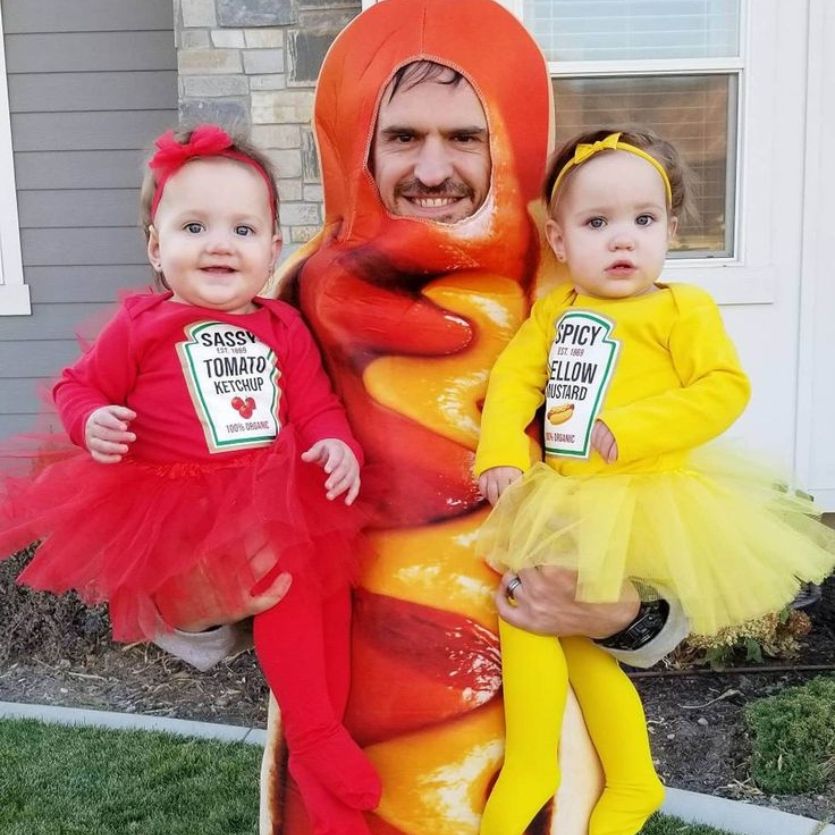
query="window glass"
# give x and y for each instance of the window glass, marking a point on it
(614, 30)
(697, 113)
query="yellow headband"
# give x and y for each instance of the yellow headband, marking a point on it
(584, 151)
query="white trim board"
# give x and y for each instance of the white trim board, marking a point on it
(14, 294)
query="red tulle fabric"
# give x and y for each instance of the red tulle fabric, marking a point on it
(178, 539)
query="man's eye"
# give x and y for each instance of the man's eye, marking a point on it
(243, 230)
(644, 220)
(194, 228)
(467, 138)
(403, 138)
(596, 222)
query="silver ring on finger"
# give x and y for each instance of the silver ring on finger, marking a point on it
(510, 589)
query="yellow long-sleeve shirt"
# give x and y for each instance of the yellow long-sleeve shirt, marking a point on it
(675, 380)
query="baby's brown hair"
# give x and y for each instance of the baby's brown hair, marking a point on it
(678, 172)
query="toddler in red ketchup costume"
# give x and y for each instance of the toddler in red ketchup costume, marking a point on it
(206, 419)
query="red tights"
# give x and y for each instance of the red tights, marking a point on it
(303, 646)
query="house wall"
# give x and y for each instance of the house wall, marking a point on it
(255, 63)
(90, 85)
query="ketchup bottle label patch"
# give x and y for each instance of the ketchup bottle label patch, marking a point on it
(580, 365)
(233, 380)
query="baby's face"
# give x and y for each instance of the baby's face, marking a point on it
(213, 236)
(611, 226)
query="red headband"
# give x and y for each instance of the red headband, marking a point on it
(205, 141)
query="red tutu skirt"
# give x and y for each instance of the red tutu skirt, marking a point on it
(171, 543)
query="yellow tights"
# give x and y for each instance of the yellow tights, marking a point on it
(536, 672)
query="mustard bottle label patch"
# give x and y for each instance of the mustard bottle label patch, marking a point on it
(233, 380)
(580, 365)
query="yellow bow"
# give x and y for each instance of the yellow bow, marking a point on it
(586, 150)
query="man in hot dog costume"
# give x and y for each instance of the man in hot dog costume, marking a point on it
(433, 123)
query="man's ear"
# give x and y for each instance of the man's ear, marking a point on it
(153, 249)
(553, 233)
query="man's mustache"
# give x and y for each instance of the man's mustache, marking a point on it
(448, 188)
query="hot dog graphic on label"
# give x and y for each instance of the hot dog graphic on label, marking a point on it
(560, 414)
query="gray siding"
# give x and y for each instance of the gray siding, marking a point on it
(91, 83)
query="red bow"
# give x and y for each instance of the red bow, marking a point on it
(205, 141)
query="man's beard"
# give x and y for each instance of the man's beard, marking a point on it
(414, 188)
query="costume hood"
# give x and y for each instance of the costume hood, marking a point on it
(507, 71)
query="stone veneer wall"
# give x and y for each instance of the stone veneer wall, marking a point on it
(255, 63)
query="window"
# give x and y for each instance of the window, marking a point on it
(14, 294)
(627, 62)
(697, 113)
(702, 74)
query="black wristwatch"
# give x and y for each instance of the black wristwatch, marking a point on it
(648, 623)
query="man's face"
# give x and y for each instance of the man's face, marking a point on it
(431, 154)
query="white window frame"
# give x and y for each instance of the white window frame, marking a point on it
(749, 276)
(14, 294)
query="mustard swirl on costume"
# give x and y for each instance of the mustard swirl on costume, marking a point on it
(721, 533)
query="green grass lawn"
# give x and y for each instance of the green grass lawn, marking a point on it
(658, 825)
(57, 780)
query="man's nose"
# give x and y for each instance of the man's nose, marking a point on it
(434, 164)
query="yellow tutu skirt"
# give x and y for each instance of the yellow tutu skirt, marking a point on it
(723, 535)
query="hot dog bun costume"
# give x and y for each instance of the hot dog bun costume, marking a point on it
(410, 315)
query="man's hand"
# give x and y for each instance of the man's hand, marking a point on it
(545, 604)
(493, 482)
(337, 459)
(604, 442)
(209, 609)
(106, 434)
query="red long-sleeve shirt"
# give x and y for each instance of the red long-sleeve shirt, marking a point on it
(203, 382)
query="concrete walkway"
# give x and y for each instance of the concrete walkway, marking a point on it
(733, 816)
(132, 721)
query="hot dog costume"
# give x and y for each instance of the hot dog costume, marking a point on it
(410, 316)
(225, 406)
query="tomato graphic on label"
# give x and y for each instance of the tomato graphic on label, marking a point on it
(244, 408)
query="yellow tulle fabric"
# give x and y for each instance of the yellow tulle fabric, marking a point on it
(722, 534)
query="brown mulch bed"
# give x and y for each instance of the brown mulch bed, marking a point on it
(54, 651)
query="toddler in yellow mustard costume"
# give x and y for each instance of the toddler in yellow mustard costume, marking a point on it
(635, 376)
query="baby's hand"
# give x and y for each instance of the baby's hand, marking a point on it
(496, 480)
(604, 442)
(337, 459)
(106, 434)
